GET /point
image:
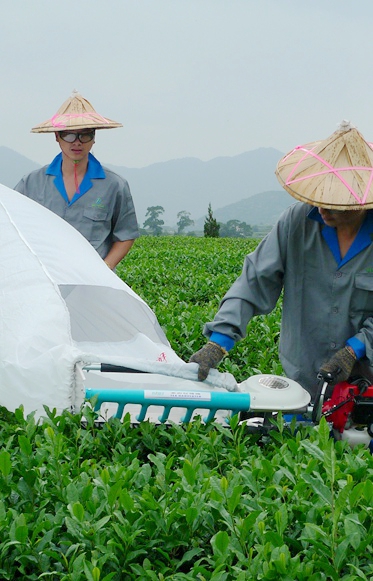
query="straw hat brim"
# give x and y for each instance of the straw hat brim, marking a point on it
(75, 113)
(336, 173)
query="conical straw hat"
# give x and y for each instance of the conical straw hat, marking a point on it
(75, 113)
(336, 173)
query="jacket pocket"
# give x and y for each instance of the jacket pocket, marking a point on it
(362, 299)
(95, 214)
(96, 225)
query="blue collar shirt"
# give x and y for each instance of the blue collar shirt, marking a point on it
(94, 171)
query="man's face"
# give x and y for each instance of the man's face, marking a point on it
(76, 148)
(341, 218)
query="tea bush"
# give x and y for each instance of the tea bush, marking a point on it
(204, 502)
(183, 280)
(171, 502)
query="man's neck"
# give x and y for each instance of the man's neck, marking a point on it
(347, 232)
(351, 228)
(71, 167)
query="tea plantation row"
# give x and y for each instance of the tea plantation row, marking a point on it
(147, 502)
(183, 280)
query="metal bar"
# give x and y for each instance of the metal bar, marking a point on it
(190, 400)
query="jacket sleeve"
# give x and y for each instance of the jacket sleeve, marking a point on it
(365, 336)
(124, 225)
(259, 286)
(20, 187)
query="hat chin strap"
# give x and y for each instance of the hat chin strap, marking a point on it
(75, 162)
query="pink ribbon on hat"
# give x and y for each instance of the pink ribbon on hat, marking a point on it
(335, 171)
(60, 117)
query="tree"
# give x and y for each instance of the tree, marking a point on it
(235, 229)
(153, 222)
(184, 221)
(211, 227)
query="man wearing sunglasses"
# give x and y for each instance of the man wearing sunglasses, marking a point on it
(93, 199)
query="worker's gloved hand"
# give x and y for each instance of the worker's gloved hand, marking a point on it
(339, 367)
(209, 356)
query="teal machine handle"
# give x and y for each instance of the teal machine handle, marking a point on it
(191, 400)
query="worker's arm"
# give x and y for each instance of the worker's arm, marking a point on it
(117, 252)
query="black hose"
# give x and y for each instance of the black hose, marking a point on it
(108, 368)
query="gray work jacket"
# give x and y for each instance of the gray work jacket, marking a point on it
(326, 300)
(103, 210)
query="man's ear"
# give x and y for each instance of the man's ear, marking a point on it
(56, 135)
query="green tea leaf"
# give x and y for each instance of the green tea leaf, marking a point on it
(280, 422)
(126, 500)
(21, 534)
(329, 461)
(280, 558)
(234, 421)
(281, 519)
(189, 472)
(101, 523)
(5, 463)
(313, 531)
(78, 511)
(368, 490)
(312, 449)
(235, 498)
(341, 554)
(354, 530)
(340, 503)
(105, 476)
(191, 514)
(25, 445)
(319, 488)
(220, 543)
(114, 492)
(224, 484)
(357, 492)
(324, 432)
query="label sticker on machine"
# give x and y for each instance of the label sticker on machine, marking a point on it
(163, 394)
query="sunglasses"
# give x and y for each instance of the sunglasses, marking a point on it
(71, 137)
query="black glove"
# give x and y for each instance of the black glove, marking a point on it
(339, 367)
(207, 357)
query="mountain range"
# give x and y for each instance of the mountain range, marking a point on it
(259, 209)
(242, 187)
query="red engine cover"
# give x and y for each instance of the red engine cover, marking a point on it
(343, 392)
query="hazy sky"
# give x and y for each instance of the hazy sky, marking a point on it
(187, 78)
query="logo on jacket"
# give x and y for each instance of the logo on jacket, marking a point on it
(98, 204)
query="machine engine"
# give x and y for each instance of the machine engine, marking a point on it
(350, 411)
